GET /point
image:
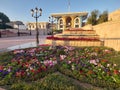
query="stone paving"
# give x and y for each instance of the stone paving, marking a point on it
(19, 41)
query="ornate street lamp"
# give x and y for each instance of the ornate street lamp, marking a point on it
(52, 20)
(1, 24)
(36, 13)
(18, 31)
(30, 29)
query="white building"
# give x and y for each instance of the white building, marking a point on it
(17, 25)
(41, 25)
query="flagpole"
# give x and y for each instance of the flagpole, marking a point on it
(68, 5)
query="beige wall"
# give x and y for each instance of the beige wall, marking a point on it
(113, 43)
(106, 31)
(114, 15)
(73, 43)
(109, 29)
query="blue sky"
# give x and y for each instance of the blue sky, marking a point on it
(20, 9)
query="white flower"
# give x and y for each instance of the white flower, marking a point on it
(119, 71)
(114, 65)
(54, 62)
(31, 68)
(108, 65)
(27, 70)
(73, 67)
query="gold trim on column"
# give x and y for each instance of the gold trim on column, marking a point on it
(64, 22)
(72, 21)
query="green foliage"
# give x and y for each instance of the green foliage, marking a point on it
(97, 18)
(6, 57)
(103, 17)
(4, 19)
(53, 81)
(92, 19)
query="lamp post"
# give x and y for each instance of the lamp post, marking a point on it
(18, 31)
(51, 20)
(36, 13)
(1, 24)
(30, 29)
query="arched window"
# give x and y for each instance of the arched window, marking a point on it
(61, 23)
(43, 26)
(68, 22)
(77, 20)
(33, 26)
(39, 26)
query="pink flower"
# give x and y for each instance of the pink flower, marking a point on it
(69, 62)
(93, 62)
(62, 57)
(18, 51)
(107, 51)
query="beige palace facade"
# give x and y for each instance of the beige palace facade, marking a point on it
(69, 19)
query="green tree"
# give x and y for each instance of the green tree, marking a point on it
(97, 18)
(103, 17)
(4, 19)
(92, 19)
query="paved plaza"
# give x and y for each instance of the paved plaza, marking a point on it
(17, 41)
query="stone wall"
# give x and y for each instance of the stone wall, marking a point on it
(113, 43)
(73, 43)
(109, 32)
(109, 29)
(114, 16)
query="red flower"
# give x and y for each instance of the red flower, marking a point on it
(1, 67)
(81, 71)
(39, 70)
(18, 74)
(104, 60)
(43, 68)
(22, 73)
(116, 72)
(33, 70)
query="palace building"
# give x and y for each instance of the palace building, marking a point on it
(41, 25)
(70, 19)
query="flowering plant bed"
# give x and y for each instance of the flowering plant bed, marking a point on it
(86, 64)
(77, 29)
(73, 39)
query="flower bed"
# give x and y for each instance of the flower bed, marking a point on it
(86, 64)
(82, 32)
(73, 39)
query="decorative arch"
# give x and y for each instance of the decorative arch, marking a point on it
(68, 22)
(77, 22)
(39, 26)
(60, 23)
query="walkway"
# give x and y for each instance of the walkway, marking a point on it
(20, 42)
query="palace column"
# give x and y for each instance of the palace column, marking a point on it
(64, 22)
(72, 21)
(57, 23)
(80, 21)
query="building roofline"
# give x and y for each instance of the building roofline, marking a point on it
(69, 14)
